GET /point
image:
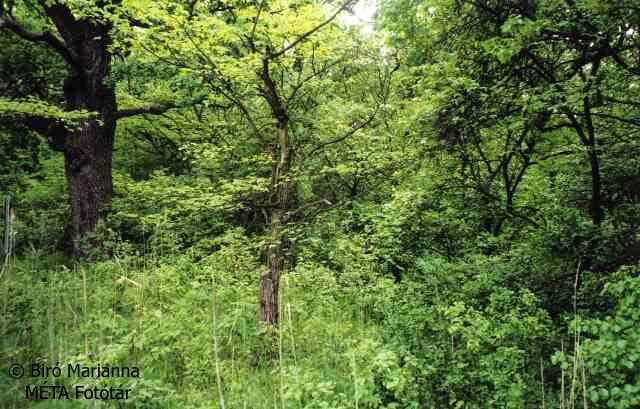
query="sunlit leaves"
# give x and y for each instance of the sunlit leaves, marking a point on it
(29, 106)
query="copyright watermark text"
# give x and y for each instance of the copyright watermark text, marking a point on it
(53, 388)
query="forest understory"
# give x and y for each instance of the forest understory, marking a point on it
(320, 204)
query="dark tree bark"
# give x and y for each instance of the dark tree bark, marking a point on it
(88, 149)
(281, 194)
(87, 156)
(596, 208)
(83, 43)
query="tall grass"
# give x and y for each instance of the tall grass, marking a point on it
(191, 327)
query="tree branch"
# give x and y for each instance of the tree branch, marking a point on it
(43, 37)
(255, 24)
(354, 128)
(630, 121)
(621, 62)
(312, 31)
(153, 110)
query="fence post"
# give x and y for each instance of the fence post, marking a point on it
(7, 229)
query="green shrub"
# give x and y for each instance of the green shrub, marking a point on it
(472, 344)
(612, 349)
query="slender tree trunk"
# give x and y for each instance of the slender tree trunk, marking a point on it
(270, 279)
(587, 136)
(8, 240)
(281, 198)
(595, 207)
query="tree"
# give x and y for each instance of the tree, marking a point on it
(19, 78)
(277, 64)
(83, 37)
(535, 81)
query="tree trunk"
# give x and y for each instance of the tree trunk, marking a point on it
(87, 149)
(281, 198)
(270, 279)
(87, 157)
(595, 206)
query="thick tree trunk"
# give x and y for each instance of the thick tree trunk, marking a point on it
(87, 149)
(87, 157)
(281, 199)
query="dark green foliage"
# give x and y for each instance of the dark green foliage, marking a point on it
(20, 148)
(462, 228)
(471, 342)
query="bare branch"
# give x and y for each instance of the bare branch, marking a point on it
(255, 24)
(621, 62)
(630, 121)
(622, 101)
(43, 37)
(354, 128)
(312, 31)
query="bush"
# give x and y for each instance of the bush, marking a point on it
(612, 349)
(471, 348)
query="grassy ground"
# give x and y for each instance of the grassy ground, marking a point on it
(189, 327)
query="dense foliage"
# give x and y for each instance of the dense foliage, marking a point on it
(261, 206)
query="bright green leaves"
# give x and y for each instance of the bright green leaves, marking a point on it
(228, 48)
(29, 107)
